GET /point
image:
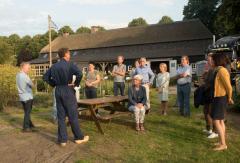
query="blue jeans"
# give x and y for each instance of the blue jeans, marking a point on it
(118, 86)
(183, 95)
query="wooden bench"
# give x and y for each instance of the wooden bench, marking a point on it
(114, 104)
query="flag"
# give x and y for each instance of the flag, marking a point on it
(52, 24)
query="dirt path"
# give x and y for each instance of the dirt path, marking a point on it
(40, 146)
(36, 147)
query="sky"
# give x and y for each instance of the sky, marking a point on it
(30, 17)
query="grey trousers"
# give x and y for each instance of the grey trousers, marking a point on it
(139, 113)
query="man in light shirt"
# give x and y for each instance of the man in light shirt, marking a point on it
(24, 86)
(118, 73)
(148, 76)
(184, 79)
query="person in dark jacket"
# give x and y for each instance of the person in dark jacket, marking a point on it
(60, 76)
(208, 77)
(138, 101)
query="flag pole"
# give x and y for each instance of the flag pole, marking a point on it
(50, 41)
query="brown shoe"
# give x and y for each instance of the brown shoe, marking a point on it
(137, 127)
(142, 127)
(84, 140)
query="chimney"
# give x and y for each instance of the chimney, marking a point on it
(65, 34)
(94, 29)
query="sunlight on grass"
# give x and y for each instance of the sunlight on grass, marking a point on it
(169, 138)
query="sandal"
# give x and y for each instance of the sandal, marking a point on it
(142, 127)
(137, 127)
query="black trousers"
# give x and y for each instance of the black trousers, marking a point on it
(91, 92)
(118, 86)
(67, 106)
(27, 107)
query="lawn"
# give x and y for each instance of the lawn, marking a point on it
(169, 138)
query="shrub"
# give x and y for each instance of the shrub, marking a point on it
(7, 85)
(41, 85)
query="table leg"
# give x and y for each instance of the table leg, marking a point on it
(96, 120)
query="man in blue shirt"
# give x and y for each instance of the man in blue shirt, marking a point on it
(184, 79)
(60, 76)
(24, 86)
(148, 77)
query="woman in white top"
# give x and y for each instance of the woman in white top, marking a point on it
(162, 84)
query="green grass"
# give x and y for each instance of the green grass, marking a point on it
(169, 138)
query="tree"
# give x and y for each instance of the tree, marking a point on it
(65, 29)
(25, 41)
(166, 20)
(24, 56)
(227, 21)
(24, 46)
(6, 52)
(36, 44)
(14, 41)
(23, 49)
(137, 22)
(100, 28)
(39, 41)
(53, 33)
(83, 29)
(205, 10)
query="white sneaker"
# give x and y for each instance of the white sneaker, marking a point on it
(85, 139)
(63, 144)
(209, 132)
(205, 131)
(212, 136)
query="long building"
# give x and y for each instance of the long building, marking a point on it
(158, 43)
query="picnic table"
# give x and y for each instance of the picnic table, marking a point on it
(115, 104)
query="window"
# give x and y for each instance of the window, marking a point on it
(173, 65)
(193, 66)
(129, 68)
(39, 70)
(45, 56)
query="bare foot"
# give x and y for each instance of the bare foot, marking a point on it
(217, 144)
(220, 148)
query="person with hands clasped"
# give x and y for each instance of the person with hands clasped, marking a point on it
(137, 101)
(222, 96)
(162, 84)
